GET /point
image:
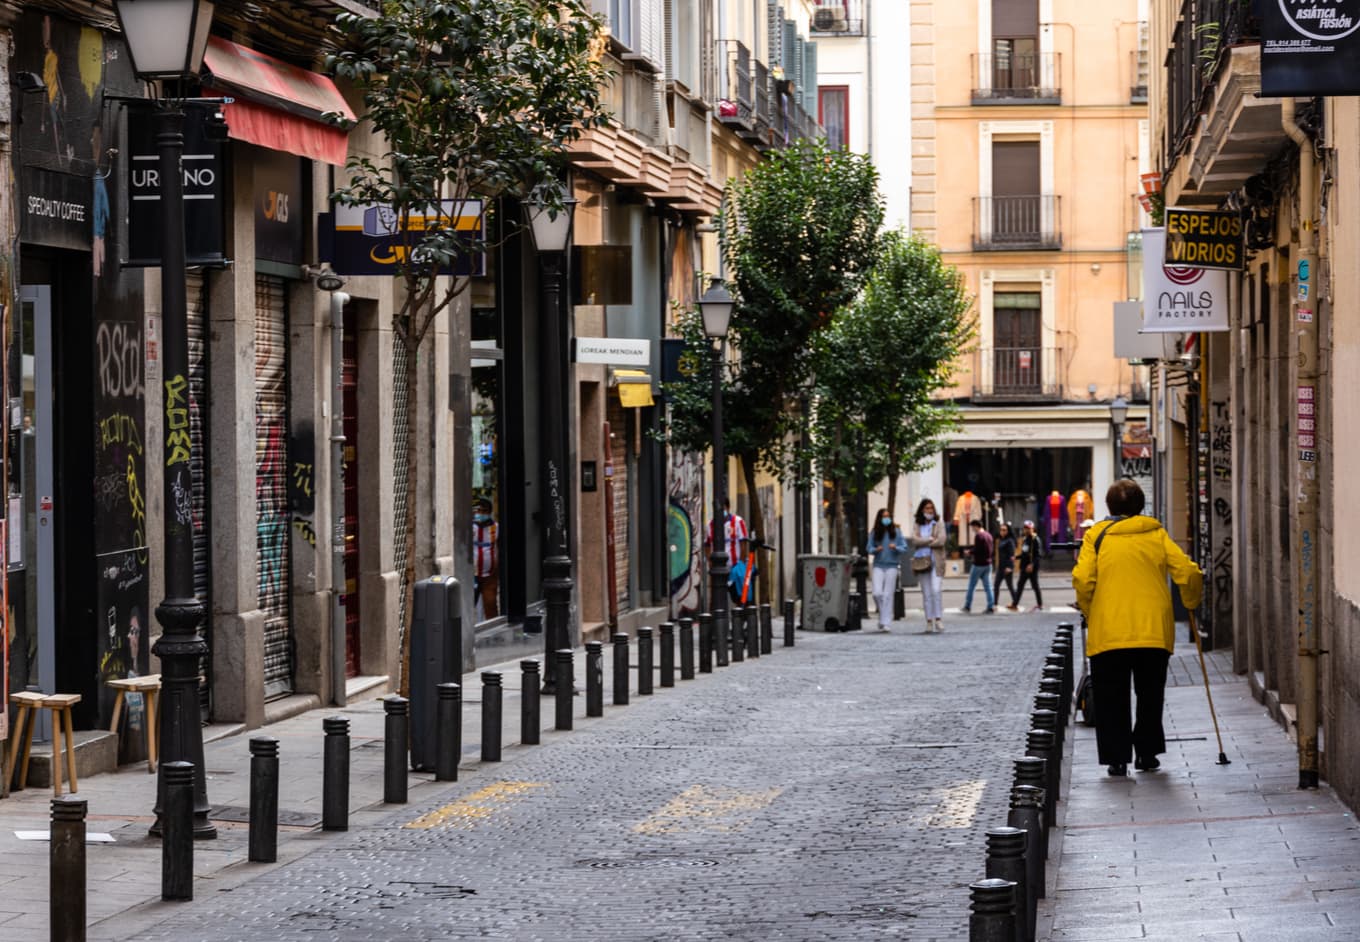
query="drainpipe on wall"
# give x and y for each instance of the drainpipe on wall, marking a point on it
(1304, 308)
(338, 688)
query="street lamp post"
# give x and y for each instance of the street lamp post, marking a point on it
(1119, 411)
(166, 40)
(550, 228)
(716, 308)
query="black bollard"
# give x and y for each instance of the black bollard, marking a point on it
(594, 678)
(1061, 654)
(177, 832)
(396, 739)
(335, 774)
(491, 716)
(993, 911)
(1006, 861)
(766, 628)
(644, 684)
(687, 649)
(788, 622)
(66, 869)
(752, 631)
(721, 622)
(1039, 743)
(667, 654)
(1046, 718)
(620, 669)
(1046, 700)
(564, 674)
(530, 701)
(263, 841)
(705, 643)
(1053, 686)
(1030, 770)
(1027, 813)
(448, 731)
(736, 626)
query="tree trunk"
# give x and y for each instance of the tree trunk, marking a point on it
(893, 473)
(412, 484)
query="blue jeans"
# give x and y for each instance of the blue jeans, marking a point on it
(981, 574)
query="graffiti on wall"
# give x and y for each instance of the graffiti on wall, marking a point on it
(301, 488)
(1220, 488)
(684, 531)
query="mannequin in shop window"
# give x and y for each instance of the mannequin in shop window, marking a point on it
(1053, 518)
(966, 510)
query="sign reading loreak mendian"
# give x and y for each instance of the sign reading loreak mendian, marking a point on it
(1309, 47)
(1180, 299)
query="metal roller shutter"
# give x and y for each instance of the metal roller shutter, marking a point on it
(271, 482)
(197, 328)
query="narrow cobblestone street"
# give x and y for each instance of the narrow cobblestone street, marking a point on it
(838, 790)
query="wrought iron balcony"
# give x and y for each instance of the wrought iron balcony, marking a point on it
(838, 18)
(1015, 223)
(1205, 36)
(1026, 79)
(1016, 373)
(736, 101)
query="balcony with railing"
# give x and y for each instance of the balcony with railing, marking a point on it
(1139, 67)
(1016, 223)
(1016, 374)
(764, 98)
(736, 98)
(1220, 131)
(838, 18)
(1017, 78)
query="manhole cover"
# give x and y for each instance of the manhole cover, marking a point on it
(300, 819)
(645, 863)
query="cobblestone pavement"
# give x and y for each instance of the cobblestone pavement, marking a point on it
(838, 790)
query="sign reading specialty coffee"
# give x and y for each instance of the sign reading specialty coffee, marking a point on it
(204, 173)
(1200, 239)
(1309, 47)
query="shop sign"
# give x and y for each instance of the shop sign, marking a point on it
(369, 239)
(1179, 300)
(279, 208)
(1309, 47)
(204, 185)
(613, 351)
(55, 209)
(1201, 239)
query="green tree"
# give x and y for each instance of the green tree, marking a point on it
(473, 99)
(880, 367)
(798, 235)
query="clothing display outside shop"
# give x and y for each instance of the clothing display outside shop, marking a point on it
(967, 509)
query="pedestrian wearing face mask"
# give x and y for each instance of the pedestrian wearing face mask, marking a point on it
(927, 561)
(887, 544)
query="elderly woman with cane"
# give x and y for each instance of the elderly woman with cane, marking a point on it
(1121, 584)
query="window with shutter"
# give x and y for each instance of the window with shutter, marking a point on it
(650, 39)
(809, 86)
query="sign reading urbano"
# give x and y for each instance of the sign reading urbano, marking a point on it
(1201, 239)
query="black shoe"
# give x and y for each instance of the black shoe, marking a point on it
(1118, 768)
(1147, 765)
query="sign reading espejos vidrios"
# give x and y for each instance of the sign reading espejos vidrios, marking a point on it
(1202, 239)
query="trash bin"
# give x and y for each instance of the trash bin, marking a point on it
(826, 592)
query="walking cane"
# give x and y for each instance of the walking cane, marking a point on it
(1194, 630)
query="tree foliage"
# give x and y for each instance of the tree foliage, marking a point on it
(472, 99)
(881, 364)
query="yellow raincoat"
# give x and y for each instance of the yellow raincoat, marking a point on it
(1129, 605)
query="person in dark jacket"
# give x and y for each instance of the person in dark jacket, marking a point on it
(1027, 557)
(982, 553)
(1005, 562)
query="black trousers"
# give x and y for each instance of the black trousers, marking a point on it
(1032, 578)
(1009, 579)
(1119, 735)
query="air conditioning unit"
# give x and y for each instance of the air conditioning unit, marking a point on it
(830, 19)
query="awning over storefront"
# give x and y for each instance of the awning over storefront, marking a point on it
(278, 106)
(634, 386)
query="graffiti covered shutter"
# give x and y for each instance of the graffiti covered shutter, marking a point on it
(271, 481)
(196, 326)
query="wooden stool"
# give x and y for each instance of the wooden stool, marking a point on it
(150, 687)
(60, 704)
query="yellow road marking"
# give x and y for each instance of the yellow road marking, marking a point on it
(707, 808)
(958, 806)
(479, 805)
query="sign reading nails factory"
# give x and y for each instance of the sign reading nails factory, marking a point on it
(1309, 47)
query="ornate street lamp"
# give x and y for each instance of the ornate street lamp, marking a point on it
(716, 309)
(1119, 411)
(166, 40)
(550, 228)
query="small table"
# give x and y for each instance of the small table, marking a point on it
(60, 704)
(150, 687)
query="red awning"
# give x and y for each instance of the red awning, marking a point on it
(278, 106)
